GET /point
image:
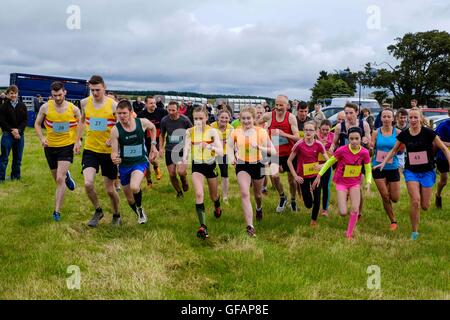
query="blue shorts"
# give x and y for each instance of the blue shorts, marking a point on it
(425, 179)
(125, 172)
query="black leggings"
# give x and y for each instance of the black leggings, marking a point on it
(311, 200)
(325, 185)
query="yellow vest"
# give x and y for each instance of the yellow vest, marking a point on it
(224, 135)
(99, 123)
(199, 153)
(61, 127)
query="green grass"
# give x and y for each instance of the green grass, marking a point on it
(165, 260)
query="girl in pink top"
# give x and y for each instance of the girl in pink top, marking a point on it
(307, 152)
(325, 136)
(347, 177)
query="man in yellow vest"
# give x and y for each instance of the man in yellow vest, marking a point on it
(98, 116)
(61, 121)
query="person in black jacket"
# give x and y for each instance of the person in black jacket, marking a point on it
(13, 120)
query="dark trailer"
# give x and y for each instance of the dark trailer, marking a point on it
(30, 85)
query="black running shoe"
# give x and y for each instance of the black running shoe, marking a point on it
(202, 232)
(282, 204)
(259, 214)
(251, 231)
(116, 220)
(98, 215)
(438, 202)
(217, 212)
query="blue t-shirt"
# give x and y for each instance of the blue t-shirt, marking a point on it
(443, 131)
(383, 145)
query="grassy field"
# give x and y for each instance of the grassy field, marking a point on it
(165, 260)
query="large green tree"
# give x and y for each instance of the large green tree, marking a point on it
(423, 69)
(326, 86)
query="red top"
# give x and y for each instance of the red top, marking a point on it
(307, 155)
(283, 145)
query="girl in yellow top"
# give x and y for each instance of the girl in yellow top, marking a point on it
(204, 143)
(244, 151)
(224, 128)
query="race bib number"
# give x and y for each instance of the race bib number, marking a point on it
(132, 151)
(279, 141)
(381, 155)
(60, 127)
(352, 171)
(310, 169)
(98, 124)
(417, 158)
(175, 139)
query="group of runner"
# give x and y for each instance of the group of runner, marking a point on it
(263, 144)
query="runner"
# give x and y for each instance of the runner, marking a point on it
(347, 177)
(155, 116)
(302, 118)
(307, 152)
(443, 131)
(98, 116)
(204, 143)
(419, 170)
(388, 180)
(130, 153)
(341, 135)
(326, 137)
(224, 128)
(249, 141)
(401, 119)
(260, 111)
(171, 142)
(61, 121)
(283, 132)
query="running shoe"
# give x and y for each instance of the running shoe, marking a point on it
(259, 214)
(180, 195)
(414, 236)
(202, 232)
(142, 217)
(98, 215)
(393, 226)
(217, 212)
(293, 206)
(282, 204)
(251, 231)
(324, 213)
(438, 202)
(70, 183)
(116, 220)
(225, 200)
(313, 224)
(56, 216)
(158, 173)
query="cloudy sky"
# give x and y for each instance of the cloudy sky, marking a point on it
(256, 47)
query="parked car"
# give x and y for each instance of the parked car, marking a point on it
(429, 112)
(337, 105)
(437, 120)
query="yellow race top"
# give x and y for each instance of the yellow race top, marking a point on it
(61, 127)
(99, 122)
